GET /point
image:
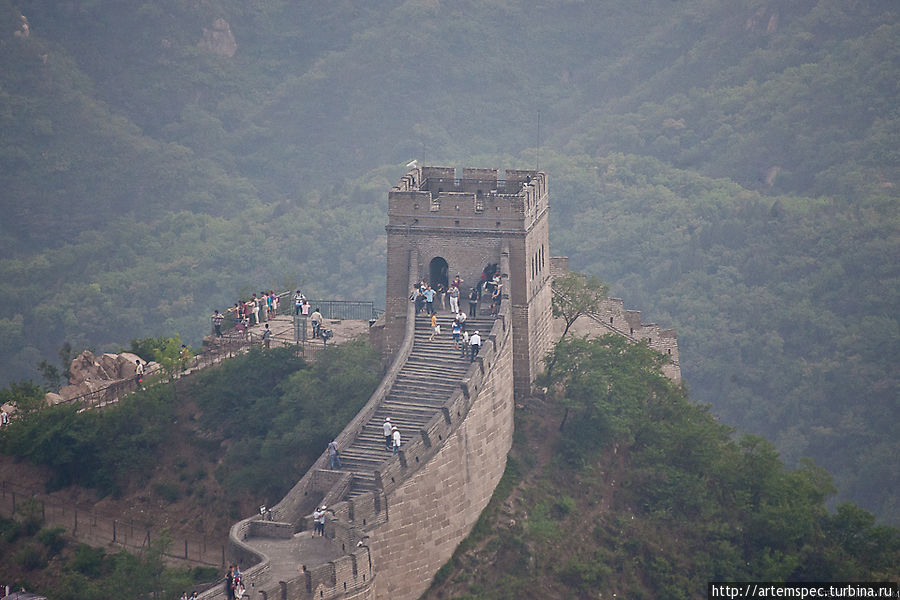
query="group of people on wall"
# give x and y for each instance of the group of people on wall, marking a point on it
(430, 298)
(247, 313)
(263, 307)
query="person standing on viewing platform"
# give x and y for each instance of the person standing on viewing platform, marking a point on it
(298, 302)
(263, 302)
(317, 320)
(267, 337)
(254, 309)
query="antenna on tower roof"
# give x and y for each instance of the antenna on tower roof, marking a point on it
(412, 164)
(537, 166)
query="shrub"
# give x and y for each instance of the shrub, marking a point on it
(88, 561)
(53, 539)
(10, 530)
(167, 491)
(30, 557)
(32, 517)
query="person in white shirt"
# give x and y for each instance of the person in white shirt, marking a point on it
(387, 428)
(396, 438)
(475, 344)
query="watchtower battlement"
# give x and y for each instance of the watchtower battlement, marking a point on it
(436, 197)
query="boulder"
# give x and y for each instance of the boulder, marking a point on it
(83, 367)
(127, 364)
(109, 366)
(218, 39)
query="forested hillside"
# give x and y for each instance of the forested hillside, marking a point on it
(729, 168)
(640, 493)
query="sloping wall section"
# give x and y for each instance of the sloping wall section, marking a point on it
(430, 495)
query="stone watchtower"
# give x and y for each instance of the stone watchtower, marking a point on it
(447, 224)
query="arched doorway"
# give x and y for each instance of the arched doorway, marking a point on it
(438, 271)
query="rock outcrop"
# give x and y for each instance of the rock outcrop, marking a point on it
(89, 374)
(218, 39)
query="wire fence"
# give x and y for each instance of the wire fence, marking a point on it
(90, 527)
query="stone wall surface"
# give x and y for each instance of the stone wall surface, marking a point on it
(434, 510)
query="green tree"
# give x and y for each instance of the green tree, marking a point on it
(575, 295)
(24, 395)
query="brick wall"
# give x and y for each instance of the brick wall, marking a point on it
(429, 514)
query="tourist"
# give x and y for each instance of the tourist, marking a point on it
(185, 356)
(267, 337)
(435, 327)
(254, 308)
(495, 299)
(386, 428)
(317, 319)
(298, 302)
(263, 303)
(138, 373)
(440, 291)
(217, 323)
(4, 417)
(395, 437)
(454, 298)
(475, 344)
(429, 299)
(229, 583)
(456, 333)
(464, 344)
(334, 457)
(319, 520)
(473, 301)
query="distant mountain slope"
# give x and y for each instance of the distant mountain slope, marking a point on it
(785, 307)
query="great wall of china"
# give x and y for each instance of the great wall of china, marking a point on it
(395, 519)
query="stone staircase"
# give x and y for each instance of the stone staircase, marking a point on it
(424, 383)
